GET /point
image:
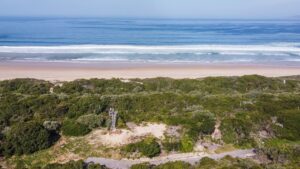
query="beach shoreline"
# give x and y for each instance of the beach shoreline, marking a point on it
(68, 71)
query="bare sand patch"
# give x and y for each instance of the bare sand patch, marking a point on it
(126, 136)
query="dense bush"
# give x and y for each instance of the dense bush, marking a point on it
(174, 165)
(26, 86)
(210, 85)
(187, 144)
(201, 124)
(26, 138)
(74, 165)
(147, 147)
(279, 151)
(237, 131)
(206, 163)
(73, 128)
(170, 145)
(244, 105)
(141, 166)
(227, 162)
(91, 120)
(291, 125)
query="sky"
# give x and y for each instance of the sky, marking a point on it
(205, 9)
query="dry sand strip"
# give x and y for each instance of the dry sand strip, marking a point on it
(71, 71)
(191, 158)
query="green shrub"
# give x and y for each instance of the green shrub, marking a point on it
(141, 166)
(243, 104)
(281, 151)
(148, 147)
(291, 125)
(26, 86)
(236, 131)
(80, 164)
(91, 120)
(200, 124)
(174, 165)
(73, 128)
(26, 138)
(187, 144)
(69, 165)
(206, 163)
(172, 146)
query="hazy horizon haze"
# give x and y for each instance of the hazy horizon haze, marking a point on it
(194, 9)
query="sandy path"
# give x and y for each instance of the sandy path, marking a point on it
(191, 158)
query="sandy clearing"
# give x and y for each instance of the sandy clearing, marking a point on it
(125, 136)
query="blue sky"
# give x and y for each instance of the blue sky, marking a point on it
(256, 9)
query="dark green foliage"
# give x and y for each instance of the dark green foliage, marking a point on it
(101, 86)
(148, 147)
(244, 105)
(26, 86)
(172, 146)
(85, 105)
(236, 131)
(291, 125)
(141, 166)
(95, 166)
(187, 144)
(210, 85)
(279, 151)
(73, 128)
(174, 165)
(75, 165)
(227, 162)
(91, 120)
(201, 124)
(68, 165)
(207, 163)
(26, 138)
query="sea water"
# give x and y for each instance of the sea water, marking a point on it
(149, 40)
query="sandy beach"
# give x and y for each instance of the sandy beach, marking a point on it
(67, 71)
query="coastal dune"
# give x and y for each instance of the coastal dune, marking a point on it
(68, 71)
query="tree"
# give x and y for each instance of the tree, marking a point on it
(26, 138)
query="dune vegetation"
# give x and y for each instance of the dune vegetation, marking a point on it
(253, 112)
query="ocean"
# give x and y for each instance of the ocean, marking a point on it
(149, 40)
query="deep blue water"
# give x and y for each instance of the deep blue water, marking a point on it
(68, 31)
(111, 39)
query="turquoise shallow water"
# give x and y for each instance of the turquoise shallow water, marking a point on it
(149, 40)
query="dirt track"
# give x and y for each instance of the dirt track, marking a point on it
(191, 158)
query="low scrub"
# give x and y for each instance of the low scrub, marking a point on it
(147, 147)
(73, 128)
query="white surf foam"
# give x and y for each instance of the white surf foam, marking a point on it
(127, 49)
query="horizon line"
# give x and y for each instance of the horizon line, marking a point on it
(134, 17)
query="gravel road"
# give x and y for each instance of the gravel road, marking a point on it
(191, 158)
